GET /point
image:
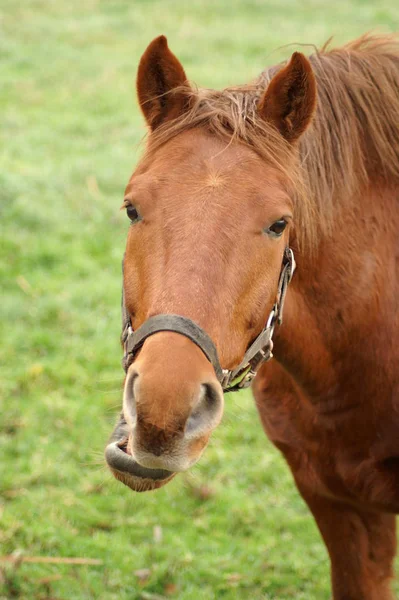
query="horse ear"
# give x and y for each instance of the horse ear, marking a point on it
(159, 73)
(290, 99)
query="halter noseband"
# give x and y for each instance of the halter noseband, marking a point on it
(231, 380)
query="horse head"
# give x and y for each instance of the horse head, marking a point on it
(212, 210)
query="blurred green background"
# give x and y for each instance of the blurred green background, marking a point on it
(234, 527)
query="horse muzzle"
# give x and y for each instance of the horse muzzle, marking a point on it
(163, 431)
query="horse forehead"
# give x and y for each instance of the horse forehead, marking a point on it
(197, 170)
(210, 172)
(205, 152)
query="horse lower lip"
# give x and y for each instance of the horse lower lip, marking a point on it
(121, 461)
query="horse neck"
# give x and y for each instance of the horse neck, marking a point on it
(342, 302)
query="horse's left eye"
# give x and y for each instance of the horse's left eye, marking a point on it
(277, 228)
(132, 213)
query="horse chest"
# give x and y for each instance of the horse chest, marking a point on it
(344, 447)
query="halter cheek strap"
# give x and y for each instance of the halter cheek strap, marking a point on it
(231, 380)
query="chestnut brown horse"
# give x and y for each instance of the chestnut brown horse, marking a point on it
(305, 158)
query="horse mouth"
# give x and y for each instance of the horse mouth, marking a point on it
(130, 472)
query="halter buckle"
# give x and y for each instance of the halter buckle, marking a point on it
(240, 381)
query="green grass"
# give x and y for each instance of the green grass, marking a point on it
(234, 527)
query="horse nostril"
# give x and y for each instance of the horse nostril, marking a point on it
(207, 412)
(129, 401)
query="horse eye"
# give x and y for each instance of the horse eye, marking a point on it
(132, 213)
(277, 228)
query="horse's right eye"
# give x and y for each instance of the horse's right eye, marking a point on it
(132, 213)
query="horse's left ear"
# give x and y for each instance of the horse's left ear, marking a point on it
(290, 99)
(159, 74)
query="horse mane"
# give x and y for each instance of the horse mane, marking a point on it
(353, 139)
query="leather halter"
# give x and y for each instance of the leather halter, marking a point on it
(231, 380)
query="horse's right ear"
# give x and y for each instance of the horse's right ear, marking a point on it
(159, 73)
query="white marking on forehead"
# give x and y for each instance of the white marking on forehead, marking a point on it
(214, 179)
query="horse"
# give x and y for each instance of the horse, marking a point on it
(302, 162)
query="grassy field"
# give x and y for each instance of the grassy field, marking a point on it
(234, 527)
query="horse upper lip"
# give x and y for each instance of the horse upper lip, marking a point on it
(119, 460)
